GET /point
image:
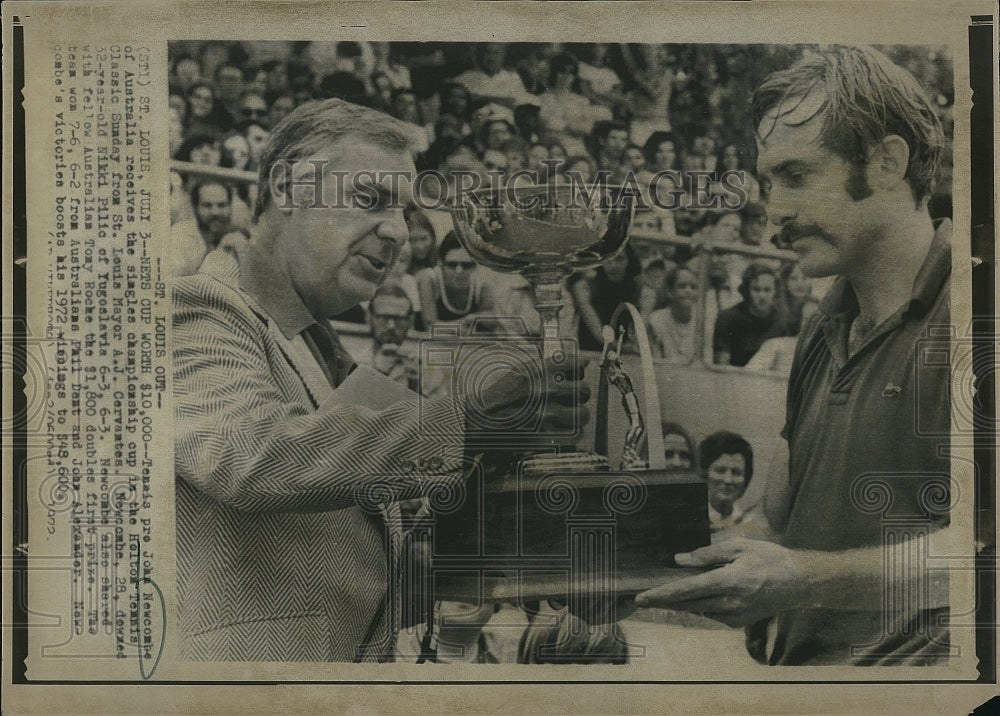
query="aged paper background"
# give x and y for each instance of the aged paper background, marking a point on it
(649, 686)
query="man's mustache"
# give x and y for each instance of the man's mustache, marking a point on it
(792, 232)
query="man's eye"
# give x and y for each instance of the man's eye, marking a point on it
(795, 180)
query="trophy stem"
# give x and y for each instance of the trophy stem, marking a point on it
(548, 302)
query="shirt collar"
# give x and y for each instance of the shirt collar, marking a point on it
(932, 274)
(260, 278)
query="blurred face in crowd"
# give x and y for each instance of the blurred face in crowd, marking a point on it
(495, 161)
(391, 319)
(175, 131)
(458, 100)
(666, 155)
(726, 481)
(762, 294)
(730, 159)
(798, 284)
(497, 135)
(539, 153)
(616, 142)
(421, 242)
(187, 72)
(492, 58)
(337, 257)
(457, 268)
(449, 127)
(677, 452)
(634, 159)
(229, 83)
(178, 104)
(516, 159)
(685, 290)
(280, 108)
(253, 107)
(237, 151)
(728, 227)
(257, 139)
(213, 209)
(753, 225)
(405, 107)
(201, 101)
(557, 151)
(207, 154)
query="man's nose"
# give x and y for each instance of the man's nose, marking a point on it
(779, 212)
(394, 228)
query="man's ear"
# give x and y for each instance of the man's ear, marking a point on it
(282, 183)
(889, 161)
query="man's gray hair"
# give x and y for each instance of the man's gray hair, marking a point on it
(315, 125)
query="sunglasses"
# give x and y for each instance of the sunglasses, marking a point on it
(464, 265)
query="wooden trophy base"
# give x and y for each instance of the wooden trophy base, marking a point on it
(566, 536)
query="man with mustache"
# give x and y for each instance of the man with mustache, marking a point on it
(851, 147)
(289, 535)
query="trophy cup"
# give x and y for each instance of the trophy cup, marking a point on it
(566, 526)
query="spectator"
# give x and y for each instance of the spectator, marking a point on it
(565, 112)
(580, 168)
(190, 240)
(200, 149)
(528, 122)
(390, 319)
(795, 297)
(727, 465)
(423, 241)
(253, 106)
(608, 142)
(596, 297)
(740, 330)
(450, 291)
(490, 80)
(279, 106)
(206, 116)
(256, 135)
(673, 330)
(187, 72)
(598, 82)
(229, 87)
(730, 159)
(678, 447)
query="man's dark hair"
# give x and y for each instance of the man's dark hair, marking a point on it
(866, 98)
(725, 443)
(753, 271)
(450, 242)
(197, 188)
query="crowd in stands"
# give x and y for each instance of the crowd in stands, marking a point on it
(629, 110)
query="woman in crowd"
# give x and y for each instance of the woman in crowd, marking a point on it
(727, 466)
(596, 297)
(423, 241)
(731, 158)
(564, 111)
(450, 291)
(796, 300)
(206, 115)
(673, 330)
(678, 447)
(740, 330)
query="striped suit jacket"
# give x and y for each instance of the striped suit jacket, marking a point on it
(284, 549)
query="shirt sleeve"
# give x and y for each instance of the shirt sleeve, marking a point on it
(240, 440)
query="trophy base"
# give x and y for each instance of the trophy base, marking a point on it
(573, 536)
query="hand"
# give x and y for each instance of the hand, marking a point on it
(757, 579)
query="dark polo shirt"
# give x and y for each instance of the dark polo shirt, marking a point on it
(868, 437)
